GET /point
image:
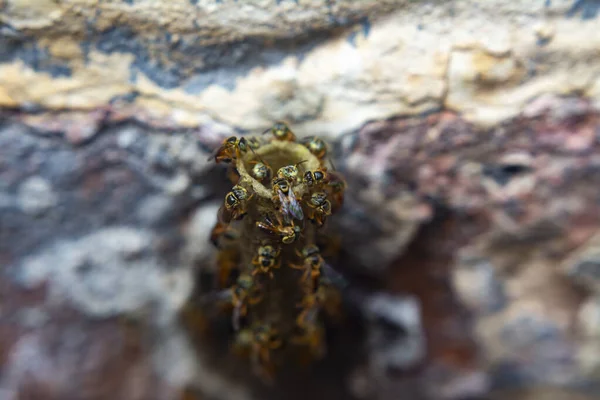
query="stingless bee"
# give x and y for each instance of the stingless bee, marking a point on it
(320, 207)
(222, 232)
(266, 259)
(288, 234)
(336, 187)
(260, 339)
(289, 172)
(245, 292)
(230, 150)
(261, 171)
(284, 194)
(329, 296)
(312, 264)
(236, 201)
(313, 334)
(315, 145)
(315, 178)
(281, 131)
(227, 261)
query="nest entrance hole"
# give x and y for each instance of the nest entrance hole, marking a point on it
(276, 155)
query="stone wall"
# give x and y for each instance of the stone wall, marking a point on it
(468, 132)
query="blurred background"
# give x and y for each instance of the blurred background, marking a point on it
(468, 132)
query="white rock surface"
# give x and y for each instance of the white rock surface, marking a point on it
(487, 60)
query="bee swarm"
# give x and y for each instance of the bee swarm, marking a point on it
(270, 270)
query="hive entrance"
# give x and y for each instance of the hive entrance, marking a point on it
(277, 155)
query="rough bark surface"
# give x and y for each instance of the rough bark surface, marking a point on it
(468, 133)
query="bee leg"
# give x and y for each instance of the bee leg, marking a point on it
(306, 275)
(235, 300)
(224, 159)
(264, 355)
(296, 266)
(256, 361)
(235, 318)
(300, 320)
(243, 309)
(317, 345)
(298, 339)
(225, 267)
(315, 273)
(275, 344)
(266, 372)
(256, 299)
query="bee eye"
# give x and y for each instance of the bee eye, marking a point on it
(231, 200)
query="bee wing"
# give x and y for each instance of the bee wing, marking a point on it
(267, 225)
(284, 202)
(294, 206)
(331, 275)
(214, 153)
(312, 315)
(213, 297)
(235, 318)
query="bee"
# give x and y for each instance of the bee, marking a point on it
(329, 296)
(245, 292)
(227, 261)
(312, 264)
(315, 178)
(287, 199)
(236, 201)
(261, 171)
(281, 131)
(313, 333)
(288, 234)
(320, 207)
(260, 339)
(336, 187)
(316, 146)
(289, 172)
(230, 150)
(266, 260)
(219, 229)
(222, 232)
